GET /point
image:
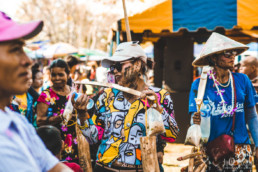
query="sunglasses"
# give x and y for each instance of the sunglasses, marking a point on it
(228, 54)
(118, 66)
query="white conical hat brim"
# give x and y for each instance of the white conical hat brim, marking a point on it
(216, 44)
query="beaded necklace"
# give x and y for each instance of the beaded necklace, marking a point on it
(220, 93)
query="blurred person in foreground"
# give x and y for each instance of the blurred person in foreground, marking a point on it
(51, 137)
(51, 106)
(21, 148)
(227, 94)
(118, 121)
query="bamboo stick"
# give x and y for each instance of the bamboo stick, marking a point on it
(83, 151)
(192, 155)
(191, 162)
(200, 167)
(116, 86)
(128, 33)
(149, 154)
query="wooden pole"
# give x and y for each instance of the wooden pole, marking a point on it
(149, 154)
(83, 151)
(128, 33)
(191, 162)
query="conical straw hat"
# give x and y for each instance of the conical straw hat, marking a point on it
(216, 44)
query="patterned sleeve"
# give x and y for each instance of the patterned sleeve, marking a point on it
(93, 129)
(44, 97)
(170, 123)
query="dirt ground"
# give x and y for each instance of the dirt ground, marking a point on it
(172, 152)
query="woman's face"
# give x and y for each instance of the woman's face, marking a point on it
(59, 77)
(38, 81)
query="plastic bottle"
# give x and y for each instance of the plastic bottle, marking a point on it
(205, 121)
(49, 112)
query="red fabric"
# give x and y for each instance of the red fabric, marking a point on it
(75, 167)
(92, 75)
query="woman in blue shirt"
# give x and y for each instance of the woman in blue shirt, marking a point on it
(222, 88)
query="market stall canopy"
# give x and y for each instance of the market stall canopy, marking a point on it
(59, 50)
(86, 54)
(173, 15)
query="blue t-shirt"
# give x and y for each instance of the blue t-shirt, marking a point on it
(245, 99)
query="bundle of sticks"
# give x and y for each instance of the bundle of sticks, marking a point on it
(196, 162)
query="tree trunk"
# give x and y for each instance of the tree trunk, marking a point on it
(149, 154)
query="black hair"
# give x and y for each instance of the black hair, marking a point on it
(60, 63)
(146, 66)
(77, 71)
(150, 63)
(72, 61)
(35, 69)
(51, 137)
(211, 62)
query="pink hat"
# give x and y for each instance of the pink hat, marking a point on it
(10, 30)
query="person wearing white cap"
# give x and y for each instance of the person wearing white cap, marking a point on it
(230, 100)
(119, 119)
(21, 148)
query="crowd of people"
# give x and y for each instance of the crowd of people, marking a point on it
(36, 137)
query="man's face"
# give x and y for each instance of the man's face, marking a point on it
(15, 72)
(226, 61)
(129, 71)
(245, 68)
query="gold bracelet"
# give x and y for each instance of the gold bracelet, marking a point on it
(84, 126)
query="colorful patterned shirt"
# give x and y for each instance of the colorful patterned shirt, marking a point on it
(119, 124)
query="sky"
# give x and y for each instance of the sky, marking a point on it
(10, 6)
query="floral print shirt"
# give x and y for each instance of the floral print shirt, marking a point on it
(119, 124)
(68, 133)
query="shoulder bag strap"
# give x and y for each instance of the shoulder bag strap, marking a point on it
(202, 87)
(235, 103)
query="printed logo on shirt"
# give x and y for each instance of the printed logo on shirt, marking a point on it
(218, 110)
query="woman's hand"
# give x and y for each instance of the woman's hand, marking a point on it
(155, 104)
(42, 118)
(197, 118)
(81, 105)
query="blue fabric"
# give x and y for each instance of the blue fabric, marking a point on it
(21, 148)
(252, 121)
(245, 99)
(194, 14)
(161, 167)
(29, 113)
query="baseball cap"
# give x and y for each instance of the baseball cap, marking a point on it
(125, 51)
(11, 30)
